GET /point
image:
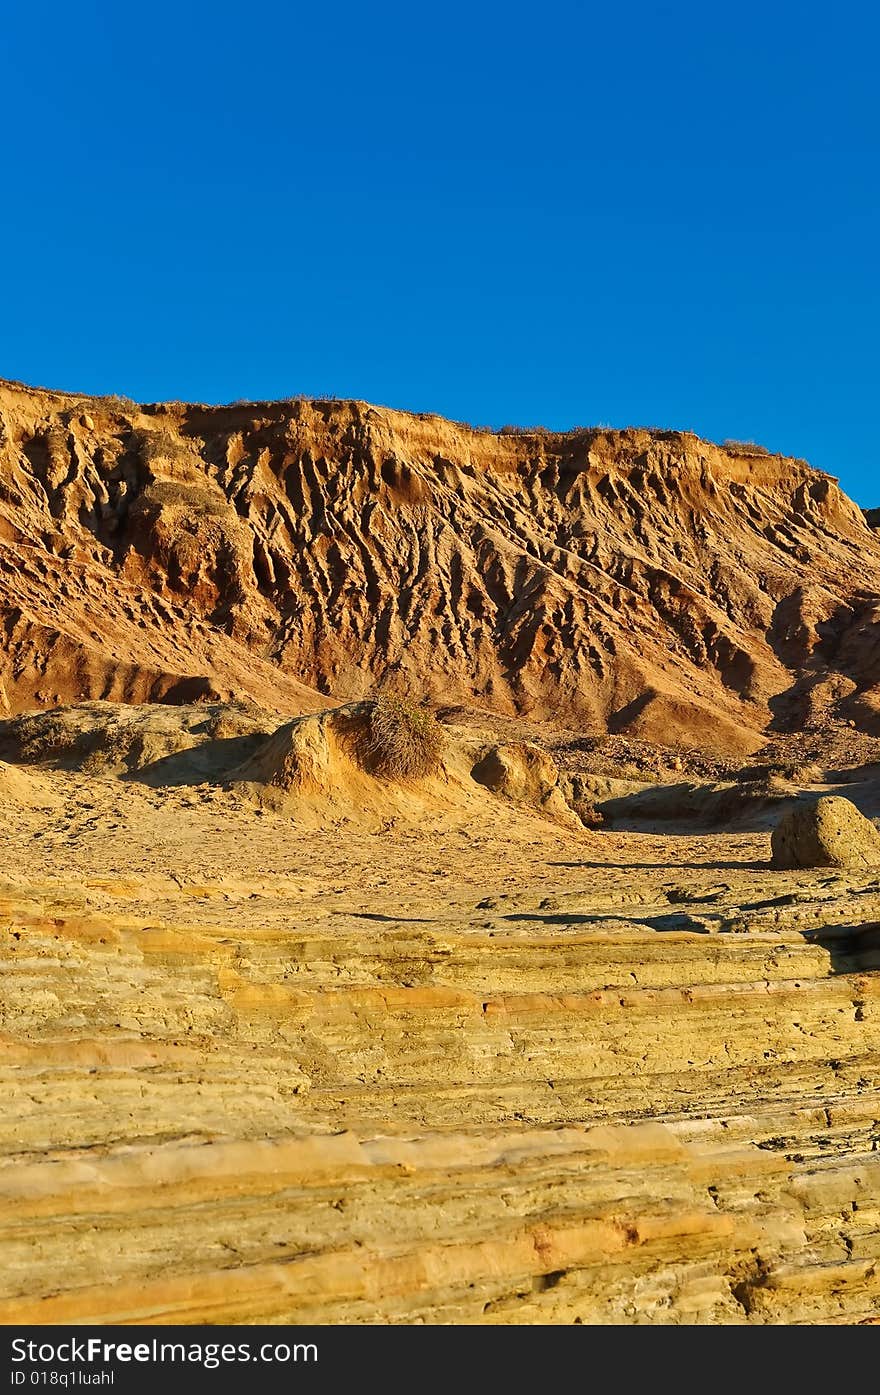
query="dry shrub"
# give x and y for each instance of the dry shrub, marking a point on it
(119, 744)
(114, 402)
(745, 448)
(405, 739)
(34, 737)
(196, 498)
(156, 445)
(511, 430)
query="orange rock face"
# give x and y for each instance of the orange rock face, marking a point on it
(640, 581)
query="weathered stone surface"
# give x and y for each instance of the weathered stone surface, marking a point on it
(520, 771)
(525, 774)
(828, 832)
(471, 1067)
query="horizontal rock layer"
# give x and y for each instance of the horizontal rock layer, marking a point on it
(648, 1097)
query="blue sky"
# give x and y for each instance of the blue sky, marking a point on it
(557, 213)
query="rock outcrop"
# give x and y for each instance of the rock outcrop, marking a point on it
(525, 774)
(635, 581)
(827, 832)
(316, 769)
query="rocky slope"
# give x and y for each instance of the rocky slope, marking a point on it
(644, 582)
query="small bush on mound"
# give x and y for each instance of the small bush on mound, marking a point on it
(405, 739)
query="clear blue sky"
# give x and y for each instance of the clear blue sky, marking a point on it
(557, 213)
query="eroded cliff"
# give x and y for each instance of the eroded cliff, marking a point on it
(638, 581)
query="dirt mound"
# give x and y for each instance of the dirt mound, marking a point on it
(628, 758)
(315, 769)
(312, 756)
(325, 767)
(157, 743)
(20, 790)
(525, 774)
(639, 582)
(827, 833)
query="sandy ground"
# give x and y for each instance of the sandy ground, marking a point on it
(112, 840)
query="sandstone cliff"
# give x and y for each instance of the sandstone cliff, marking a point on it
(637, 581)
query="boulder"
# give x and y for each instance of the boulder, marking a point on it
(829, 832)
(525, 774)
(520, 771)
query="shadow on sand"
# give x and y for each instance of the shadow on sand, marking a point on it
(852, 949)
(671, 867)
